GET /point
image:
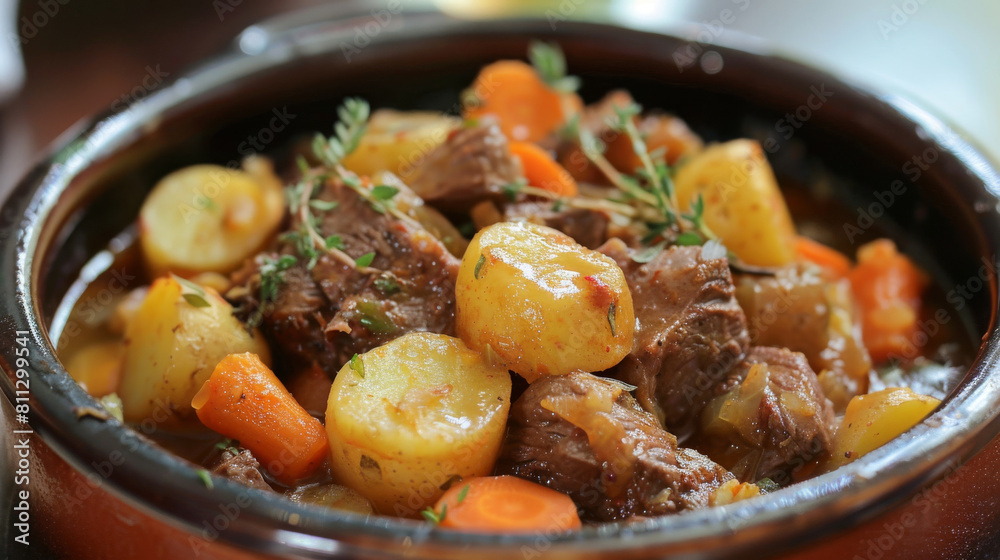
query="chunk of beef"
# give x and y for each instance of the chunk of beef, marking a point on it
(799, 310)
(691, 332)
(472, 165)
(587, 437)
(772, 418)
(326, 314)
(587, 227)
(241, 467)
(660, 131)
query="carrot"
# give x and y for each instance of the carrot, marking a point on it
(528, 109)
(243, 400)
(542, 171)
(835, 263)
(504, 504)
(887, 286)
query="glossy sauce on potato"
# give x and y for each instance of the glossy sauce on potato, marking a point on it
(540, 302)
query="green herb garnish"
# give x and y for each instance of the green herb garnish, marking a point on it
(434, 517)
(550, 63)
(766, 485)
(462, 494)
(479, 266)
(358, 366)
(365, 259)
(611, 319)
(334, 242)
(510, 190)
(387, 286)
(323, 205)
(353, 115)
(646, 254)
(206, 478)
(194, 300)
(689, 238)
(384, 192)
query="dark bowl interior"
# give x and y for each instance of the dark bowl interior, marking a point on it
(854, 146)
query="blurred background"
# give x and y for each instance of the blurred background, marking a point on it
(62, 60)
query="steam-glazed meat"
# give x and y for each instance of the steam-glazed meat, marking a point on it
(772, 418)
(691, 332)
(326, 314)
(587, 437)
(587, 227)
(472, 165)
(241, 467)
(798, 309)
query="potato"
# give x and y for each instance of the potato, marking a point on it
(172, 346)
(407, 417)
(97, 367)
(397, 141)
(743, 204)
(872, 420)
(541, 303)
(207, 218)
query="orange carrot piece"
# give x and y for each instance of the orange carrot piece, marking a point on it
(528, 109)
(244, 400)
(542, 171)
(888, 288)
(506, 504)
(835, 263)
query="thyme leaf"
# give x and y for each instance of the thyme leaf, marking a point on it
(434, 517)
(479, 266)
(358, 365)
(194, 300)
(206, 478)
(611, 319)
(550, 63)
(365, 259)
(384, 192)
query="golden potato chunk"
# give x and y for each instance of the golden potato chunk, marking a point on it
(541, 303)
(397, 141)
(208, 218)
(173, 342)
(410, 416)
(743, 204)
(874, 419)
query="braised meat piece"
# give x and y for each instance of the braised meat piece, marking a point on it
(472, 165)
(241, 467)
(772, 418)
(690, 333)
(586, 436)
(586, 227)
(326, 314)
(660, 131)
(798, 309)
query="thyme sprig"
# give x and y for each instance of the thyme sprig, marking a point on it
(550, 63)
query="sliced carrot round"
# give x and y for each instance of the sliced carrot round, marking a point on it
(506, 504)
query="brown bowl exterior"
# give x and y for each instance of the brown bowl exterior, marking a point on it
(909, 496)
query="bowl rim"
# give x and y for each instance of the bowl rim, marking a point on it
(854, 493)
